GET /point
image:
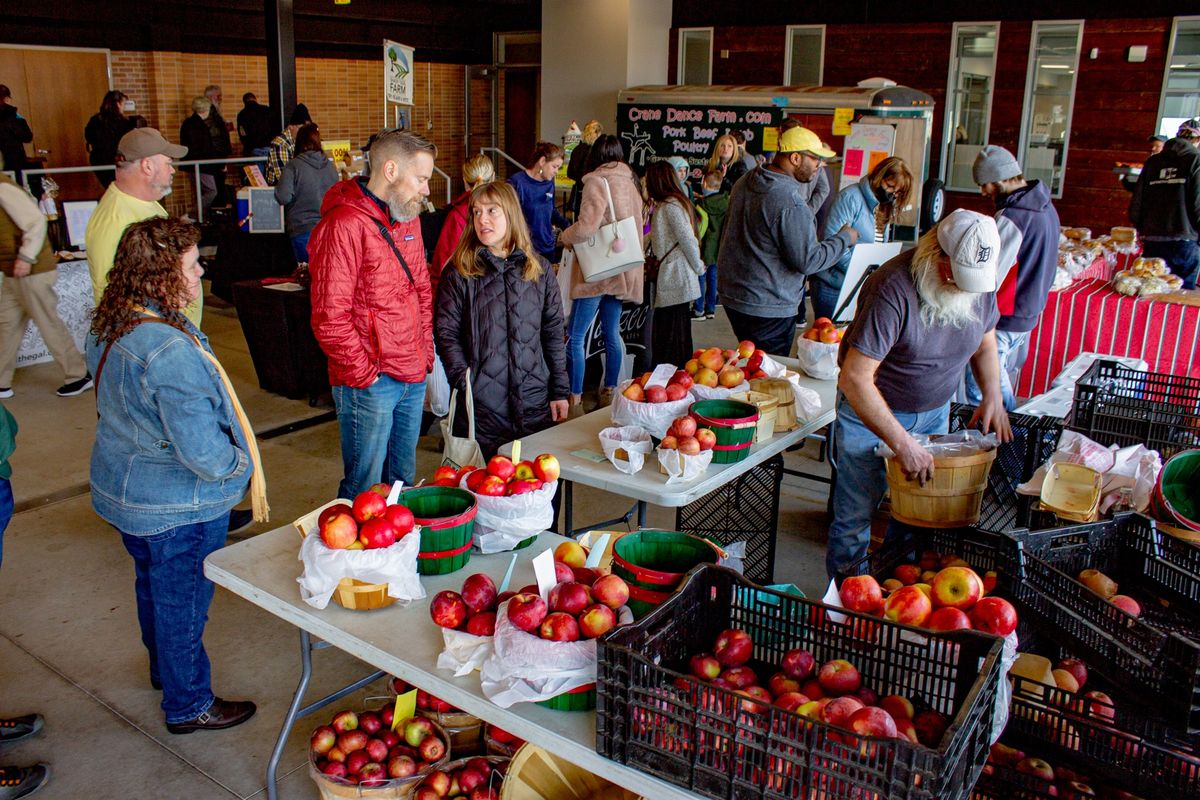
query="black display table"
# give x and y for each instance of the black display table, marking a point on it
(278, 331)
(245, 256)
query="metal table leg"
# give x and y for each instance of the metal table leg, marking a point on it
(294, 712)
(641, 513)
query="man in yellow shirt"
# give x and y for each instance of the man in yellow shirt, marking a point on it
(143, 178)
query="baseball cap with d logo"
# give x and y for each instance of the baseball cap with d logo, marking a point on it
(973, 243)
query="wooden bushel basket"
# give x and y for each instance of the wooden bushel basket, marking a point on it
(785, 408)
(351, 594)
(951, 500)
(768, 412)
(537, 774)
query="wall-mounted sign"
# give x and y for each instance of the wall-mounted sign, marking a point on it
(397, 72)
(650, 132)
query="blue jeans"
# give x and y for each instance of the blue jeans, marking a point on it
(583, 311)
(379, 427)
(263, 153)
(1011, 349)
(172, 606)
(300, 246)
(706, 303)
(862, 478)
(1181, 255)
(6, 511)
(824, 298)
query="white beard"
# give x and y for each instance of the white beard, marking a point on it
(942, 303)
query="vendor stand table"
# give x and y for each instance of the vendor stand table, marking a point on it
(278, 329)
(1090, 316)
(406, 643)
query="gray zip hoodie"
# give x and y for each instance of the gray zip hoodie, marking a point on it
(769, 245)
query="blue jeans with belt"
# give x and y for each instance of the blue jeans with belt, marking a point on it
(862, 477)
(173, 597)
(583, 311)
(379, 427)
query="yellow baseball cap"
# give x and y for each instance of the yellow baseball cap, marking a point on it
(802, 140)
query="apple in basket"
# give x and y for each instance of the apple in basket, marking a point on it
(706, 377)
(712, 359)
(479, 592)
(635, 393)
(476, 479)
(377, 533)
(683, 426)
(381, 489)
(689, 446)
(611, 590)
(682, 377)
(675, 392)
(656, 394)
(571, 553)
(559, 626)
(492, 486)
(369, 505)
(745, 348)
(707, 438)
(338, 507)
(339, 530)
(448, 609)
(401, 518)
(546, 468)
(570, 597)
(502, 467)
(731, 377)
(527, 611)
(525, 471)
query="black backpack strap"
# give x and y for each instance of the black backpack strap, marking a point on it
(387, 236)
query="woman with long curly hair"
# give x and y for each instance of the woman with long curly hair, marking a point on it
(173, 453)
(499, 314)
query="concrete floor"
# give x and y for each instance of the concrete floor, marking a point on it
(69, 641)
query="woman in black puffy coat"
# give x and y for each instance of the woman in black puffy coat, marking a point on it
(499, 313)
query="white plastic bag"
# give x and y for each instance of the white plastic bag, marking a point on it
(818, 359)
(808, 402)
(682, 467)
(654, 418)
(966, 442)
(501, 523)
(1134, 468)
(1008, 657)
(626, 447)
(524, 667)
(464, 652)
(437, 389)
(717, 392)
(396, 566)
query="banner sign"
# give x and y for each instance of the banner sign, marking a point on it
(651, 131)
(397, 72)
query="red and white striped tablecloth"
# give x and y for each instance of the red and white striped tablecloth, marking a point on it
(1089, 316)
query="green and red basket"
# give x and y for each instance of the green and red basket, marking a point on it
(734, 423)
(653, 563)
(446, 515)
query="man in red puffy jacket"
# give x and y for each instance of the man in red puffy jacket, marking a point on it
(372, 309)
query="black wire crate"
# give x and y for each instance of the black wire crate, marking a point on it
(1118, 405)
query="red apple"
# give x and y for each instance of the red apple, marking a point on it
(491, 486)
(401, 766)
(669, 442)
(350, 741)
(839, 710)
(898, 706)
(344, 721)
(656, 394)
(431, 748)
(745, 348)
(337, 755)
(908, 574)
(611, 590)
(989, 581)
(546, 468)
(338, 507)
(570, 553)
(527, 611)
(861, 593)
(1037, 768)
(706, 438)
(479, 592)
(323, 740)
(869, 697)
(1076, 667)
(712, 358)
(334, 769)
(684, 427)
(908, 605)
(675, 392)
(524, 471)
(401, 519)
(739, 677)
(994, 615)
(596, 620)
(381, 489)
(1099, 705)
(502, 467)
(1127, 604)
(931, 727)
(369, 505)
(689, 446)
(559, 627)
(389, 736)
(682, 378)
(791, 701)
(797, 664)
(339, 530)
(377, 750)
(733, 647)
(957, 587)
(377, 533)
(813, 689)
(482, 624)
(872, 721)
(417, 730)
(948, 619)
(704, 666)
(780, 683)
(435, 786)
(448, 609)
(570, 598)
(1004, 755)
(839, 677)
(370, 722)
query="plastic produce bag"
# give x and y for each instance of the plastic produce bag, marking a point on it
(680, 467)
(940, 445)
(718, 392)
(626, 447)
(396, 566)
(818, 359)
(1008, 657)
(654, 418)
(437, 389)
(525, 668)
(734, 556)
(1129, 473)
(464, 652)
(501, 523)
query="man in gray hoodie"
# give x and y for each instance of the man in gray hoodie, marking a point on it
(770, 244)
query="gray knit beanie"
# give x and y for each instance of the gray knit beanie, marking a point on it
(994, 164)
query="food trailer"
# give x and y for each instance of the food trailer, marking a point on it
(862, 123)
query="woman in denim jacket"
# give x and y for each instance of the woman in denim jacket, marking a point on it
(170, 458)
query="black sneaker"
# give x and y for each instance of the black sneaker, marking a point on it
(15, 729)
(75, 387)
(697, 315)
(22, 781)
(240, 518)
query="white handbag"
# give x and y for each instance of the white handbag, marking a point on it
(614, 248)
(459, 451)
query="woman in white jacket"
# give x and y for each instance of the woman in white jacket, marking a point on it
(673, 240)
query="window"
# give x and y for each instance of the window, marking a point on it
(1181, 84)
(695, 56)
(1049, 96)
(804, 63)
(968, 100)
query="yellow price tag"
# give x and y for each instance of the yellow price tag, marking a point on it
(516, 452)
(842, 117)
(406, 707)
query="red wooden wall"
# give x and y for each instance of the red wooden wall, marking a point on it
(1116, 102)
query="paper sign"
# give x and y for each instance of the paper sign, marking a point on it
(394, 494)
(543, 570)
(662, 373)
(852, 165)
(508, 575)
(397, 73)
(594, 456)
(841, 121)
(874, 159)
(516, 451)
(832, 598)
(597, 551)
(770, 140)
(406, 707)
